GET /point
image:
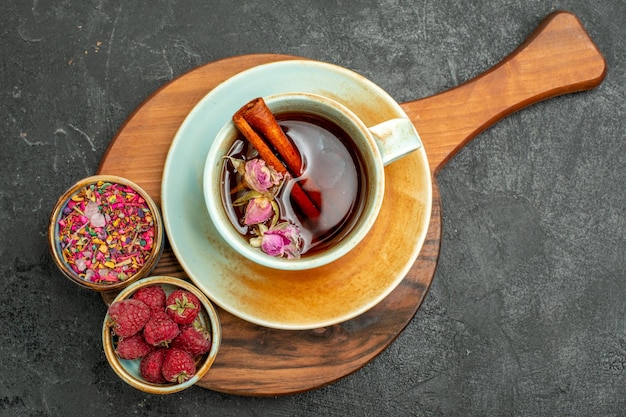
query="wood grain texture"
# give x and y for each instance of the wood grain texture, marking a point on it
(557, 58)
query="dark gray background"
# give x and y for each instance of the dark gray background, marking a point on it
(526, 315)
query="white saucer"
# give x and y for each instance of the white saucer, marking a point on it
(300, 299)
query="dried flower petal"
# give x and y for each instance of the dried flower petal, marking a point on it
(239, 164)
(91, 209)
(259, 176)
(273, 244)
(283, 240)
(258, 211)
(81, 264)
(98, 220)
(263, 181)
(243, 200)
(106, 232)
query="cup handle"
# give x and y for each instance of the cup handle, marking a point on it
(395, 138)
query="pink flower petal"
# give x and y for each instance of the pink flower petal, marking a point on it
(282, 240)
(273, 244)
(259, 176)
(258, 210)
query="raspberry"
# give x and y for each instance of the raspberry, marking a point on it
(127, 317)
(158, 314)
(160, 330)
(194, 339)
(150, 366)
(182, 306)
(133, 347)
(152, 295)
(178, 366)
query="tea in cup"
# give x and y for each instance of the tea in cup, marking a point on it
(296, 180)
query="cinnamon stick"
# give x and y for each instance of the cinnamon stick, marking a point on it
(261, 119)
(264, 126)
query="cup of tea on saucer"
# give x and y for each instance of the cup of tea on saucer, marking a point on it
(296, 180)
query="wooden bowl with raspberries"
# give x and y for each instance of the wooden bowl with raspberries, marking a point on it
(161, 335)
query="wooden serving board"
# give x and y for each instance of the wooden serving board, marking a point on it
(559, 57)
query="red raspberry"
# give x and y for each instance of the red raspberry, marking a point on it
(160, 330)
(193, 338)
(152, 295)
(150, 366)
(178, 366)
(182, 306)
(160, 314)
(133, 347)
(128, 317)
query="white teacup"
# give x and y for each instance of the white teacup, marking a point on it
(375, 146)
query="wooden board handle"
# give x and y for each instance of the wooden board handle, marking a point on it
(557, 58)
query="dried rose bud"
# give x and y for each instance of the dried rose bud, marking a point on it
(258, 211)
(281, 240)
(259, 176)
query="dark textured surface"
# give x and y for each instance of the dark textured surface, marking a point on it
(527, 312)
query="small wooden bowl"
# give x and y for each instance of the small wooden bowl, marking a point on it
(150, 259)
(129, 370)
